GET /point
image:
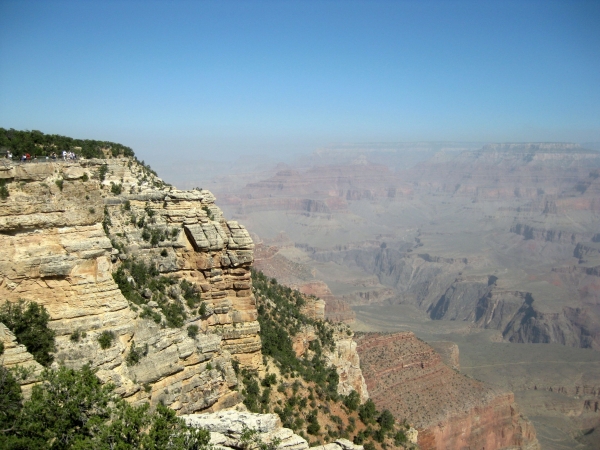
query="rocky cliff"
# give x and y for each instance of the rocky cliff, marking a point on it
(56, 252)
(450, 410)
(110, 250)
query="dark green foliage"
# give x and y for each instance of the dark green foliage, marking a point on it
(102, 171)
(149, 313)
(367, 412)
(190, 292)
(313, 423)
(379, 435)
(269, 380)
(281, 322)
(251, 391)
(71, 409)
(106, 339)
(369, 446)
(164, 253)
(10, 397)
(352, 401)
(208, 212)
(77, 335)
(85, 177)
(29, 323)
(60, 183)
(39, 144)
(386, 420)
(192, 331)
(174, 313)
(399, 438)
(3, 190)
(146, 235)
(202, 309)
(127, 205)
(147, 276)
(106, 222)
(1, 348)
(136, 354)
(116, 188)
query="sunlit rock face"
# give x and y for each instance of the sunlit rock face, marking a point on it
(54, 250)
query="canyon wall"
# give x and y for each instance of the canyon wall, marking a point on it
(66, 227)
(406, 376)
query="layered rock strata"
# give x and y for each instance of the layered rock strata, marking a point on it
(406, 376)
(66, 227)
(56, 252)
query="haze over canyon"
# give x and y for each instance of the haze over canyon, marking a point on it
(493, 247)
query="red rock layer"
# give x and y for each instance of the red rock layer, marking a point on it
(406, 376)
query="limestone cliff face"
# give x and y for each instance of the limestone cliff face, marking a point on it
(55, 252)
(64, 230)
(451, 411)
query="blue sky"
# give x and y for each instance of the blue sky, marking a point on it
(220, 78)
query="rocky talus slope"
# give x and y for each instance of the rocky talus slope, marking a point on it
(110, 250)
(450, 410)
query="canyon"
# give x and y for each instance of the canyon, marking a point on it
(479, 244)
(497, 261)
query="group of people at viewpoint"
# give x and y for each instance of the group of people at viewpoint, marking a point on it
(26, 157)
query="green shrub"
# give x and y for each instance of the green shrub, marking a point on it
(202, 309)
(102, 171)
(174, 313)
(106, 339)
(352, 401)
(367, 412)
(60, 183)
(208, 212)
(77, 335)
(28, 321)
(369, 446)
(85, 177)
(136, 354)
(3, 190)
(164, 253)
(72, 409)
(116, 188)
(149, 313)
(127, 205)
(269, 380)
(386, 420)
(192, 331)
(399, 438)
(190, 293)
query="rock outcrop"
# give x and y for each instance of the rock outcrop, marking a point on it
(450, 410)
(66, 227)
(230, 429)
(56, 252)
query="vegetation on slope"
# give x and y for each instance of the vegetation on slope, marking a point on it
(139, 282)
(71, 409)
(39, 144)
(28, 321)
(303, 390)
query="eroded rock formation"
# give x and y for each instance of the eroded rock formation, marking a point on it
(406, 376)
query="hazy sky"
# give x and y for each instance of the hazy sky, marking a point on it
(212, 78)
